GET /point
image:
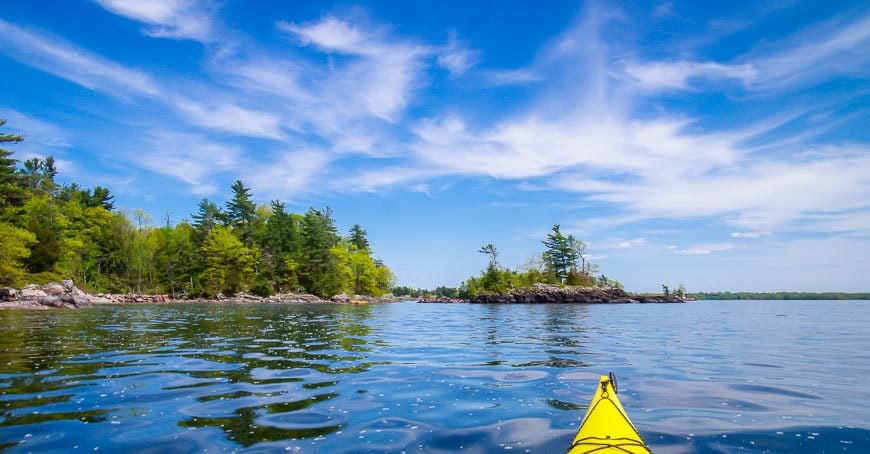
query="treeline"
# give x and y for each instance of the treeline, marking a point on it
(448, 292)
(50, 231)
(781, 296)
(563, 262)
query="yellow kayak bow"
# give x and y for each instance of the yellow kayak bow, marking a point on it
(606, 427)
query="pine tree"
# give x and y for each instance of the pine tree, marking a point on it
(358, 237)
(241, 211)
(208, 216)
(281, 246)
(101, 197)
(492, 252)
(320, 271)
(11, 191)
(558, 253)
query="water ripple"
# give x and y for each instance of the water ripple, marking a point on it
(703, 377)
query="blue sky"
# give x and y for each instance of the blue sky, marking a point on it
(722, 145)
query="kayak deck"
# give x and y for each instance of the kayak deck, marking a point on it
(606, 427)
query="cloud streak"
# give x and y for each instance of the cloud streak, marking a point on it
(64, 60)
(180, 19)
(187, 157)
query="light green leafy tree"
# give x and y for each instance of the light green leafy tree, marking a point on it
(229, 264)
(14, 244)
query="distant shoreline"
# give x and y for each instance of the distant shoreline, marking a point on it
(784, 296)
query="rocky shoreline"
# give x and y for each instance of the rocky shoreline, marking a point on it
(67, 296)
(554, 294)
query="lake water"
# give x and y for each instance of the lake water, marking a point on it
(718, 376)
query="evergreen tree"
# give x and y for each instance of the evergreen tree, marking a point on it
(559, 253)
(11, 191)
(39, 174)
(208, 216)
(101, 197)
(281, 247)
(358, 237)
(241, 211)
(492, 252)
(320, 271)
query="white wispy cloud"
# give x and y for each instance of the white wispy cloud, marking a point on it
(289, 174)
(381, 77)
(230, 117)
(456, 56)
(679, 74)
(752, 234)
(511, 76)
(349, 89)
(631, 243)
(832, 48)
(705, 248)
(187, 157)
(41, 139)
(58, 57)
(187, 19)
(37, 133)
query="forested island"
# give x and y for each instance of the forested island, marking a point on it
(561, 274)
(50, 232)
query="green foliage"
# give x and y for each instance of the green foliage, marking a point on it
(12, 193)
(490, 251)
(358, 237)
(562, 262)
(604, 281)
(208, 216)
(241, 211)
(14, 249)
(50, 232)
(558, 253)
(364, 274)
(228, 263)
(320, 271)
(41, 217)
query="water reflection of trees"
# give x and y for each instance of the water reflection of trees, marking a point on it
(57, 355)
(560, 331)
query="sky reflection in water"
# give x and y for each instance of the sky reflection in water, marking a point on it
(705, 376)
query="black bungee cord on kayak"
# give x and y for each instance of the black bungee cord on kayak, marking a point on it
(608, 442)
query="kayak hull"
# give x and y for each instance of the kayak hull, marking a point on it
(606, 427)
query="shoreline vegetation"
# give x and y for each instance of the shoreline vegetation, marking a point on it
(556, 294)
(51, 231)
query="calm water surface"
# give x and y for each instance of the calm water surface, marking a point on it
(717, 376)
